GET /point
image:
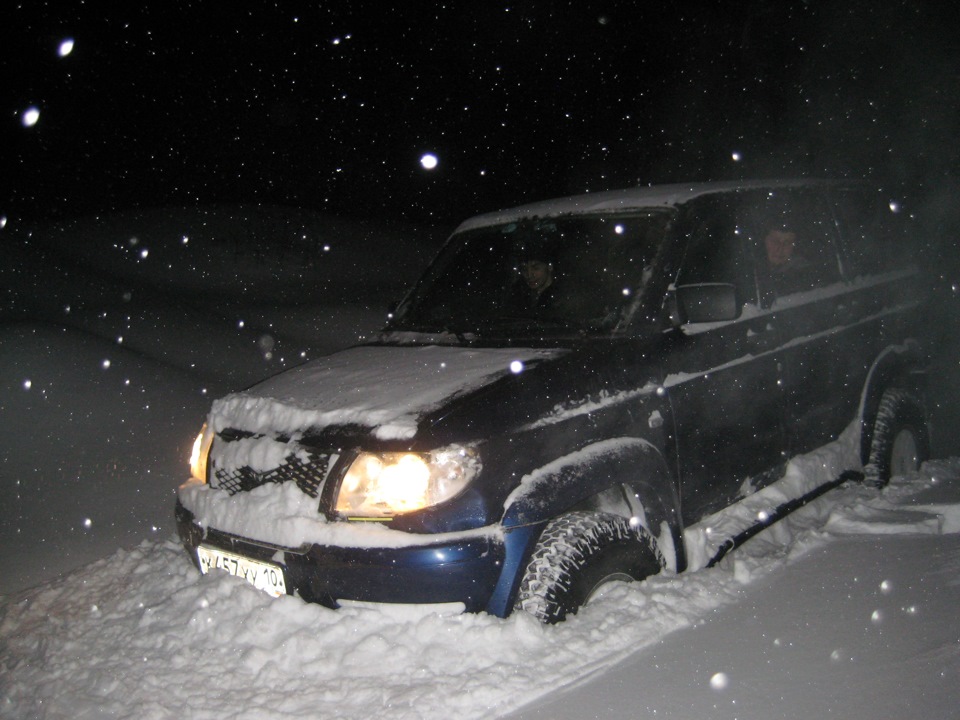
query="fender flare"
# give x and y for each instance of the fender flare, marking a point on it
(624, 464)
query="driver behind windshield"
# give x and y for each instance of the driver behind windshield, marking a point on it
(536, 288)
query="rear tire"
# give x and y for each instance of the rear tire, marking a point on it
(900, 442)
(577, 555)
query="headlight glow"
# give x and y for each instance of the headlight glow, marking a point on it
(199, 454)
(380, 485)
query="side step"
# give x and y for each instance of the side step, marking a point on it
(780, 512)
(708, 541)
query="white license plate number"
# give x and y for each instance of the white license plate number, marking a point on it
(262, 576)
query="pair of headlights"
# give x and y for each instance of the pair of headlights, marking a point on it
(381, 485)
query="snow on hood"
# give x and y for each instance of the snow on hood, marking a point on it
(386, 388)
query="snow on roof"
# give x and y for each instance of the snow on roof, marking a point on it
(384, 388)
(626, 199)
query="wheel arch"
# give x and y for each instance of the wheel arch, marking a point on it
(623, 476)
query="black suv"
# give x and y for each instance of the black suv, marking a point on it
(577, 391)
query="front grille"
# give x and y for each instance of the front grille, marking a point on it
(308, 475)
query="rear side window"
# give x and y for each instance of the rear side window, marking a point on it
(874, 233)
(768, 243)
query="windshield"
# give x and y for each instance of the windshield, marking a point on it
(536, 277)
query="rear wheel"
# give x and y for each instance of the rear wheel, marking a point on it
(899, 443)
(577, 556)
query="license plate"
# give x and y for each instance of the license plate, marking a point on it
(262, 576)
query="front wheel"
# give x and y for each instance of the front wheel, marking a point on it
(577, 555)
(899, 443)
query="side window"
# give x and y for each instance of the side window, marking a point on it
(873, 231)
(793, 244)
(715, 248)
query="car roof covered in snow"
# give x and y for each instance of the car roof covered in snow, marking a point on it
(628, 199)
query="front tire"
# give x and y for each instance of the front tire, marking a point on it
(579, 553)
(899, 443)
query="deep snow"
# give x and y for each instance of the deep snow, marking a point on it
(109, 361)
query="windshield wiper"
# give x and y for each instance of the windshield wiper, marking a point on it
(462, 331)
(530, 323)
(466, 330)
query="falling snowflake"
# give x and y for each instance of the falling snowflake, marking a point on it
(30, 116)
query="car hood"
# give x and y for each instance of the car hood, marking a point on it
(386, 389)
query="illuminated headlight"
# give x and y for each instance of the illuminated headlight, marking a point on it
(380, 485)
(199, 454)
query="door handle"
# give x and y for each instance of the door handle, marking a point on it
(761, 340)
(847, 312)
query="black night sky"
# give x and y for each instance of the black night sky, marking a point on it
(330, 106)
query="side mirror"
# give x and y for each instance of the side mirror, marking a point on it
(707, 302)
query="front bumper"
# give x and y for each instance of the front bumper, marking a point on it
(466, 570)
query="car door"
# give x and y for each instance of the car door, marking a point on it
(793, 240)
(721, 377)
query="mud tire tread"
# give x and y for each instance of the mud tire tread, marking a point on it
(899, 409)
(576, 546)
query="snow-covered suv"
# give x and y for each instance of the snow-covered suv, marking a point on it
(577, 391)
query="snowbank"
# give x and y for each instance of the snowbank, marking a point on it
(142, 634)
